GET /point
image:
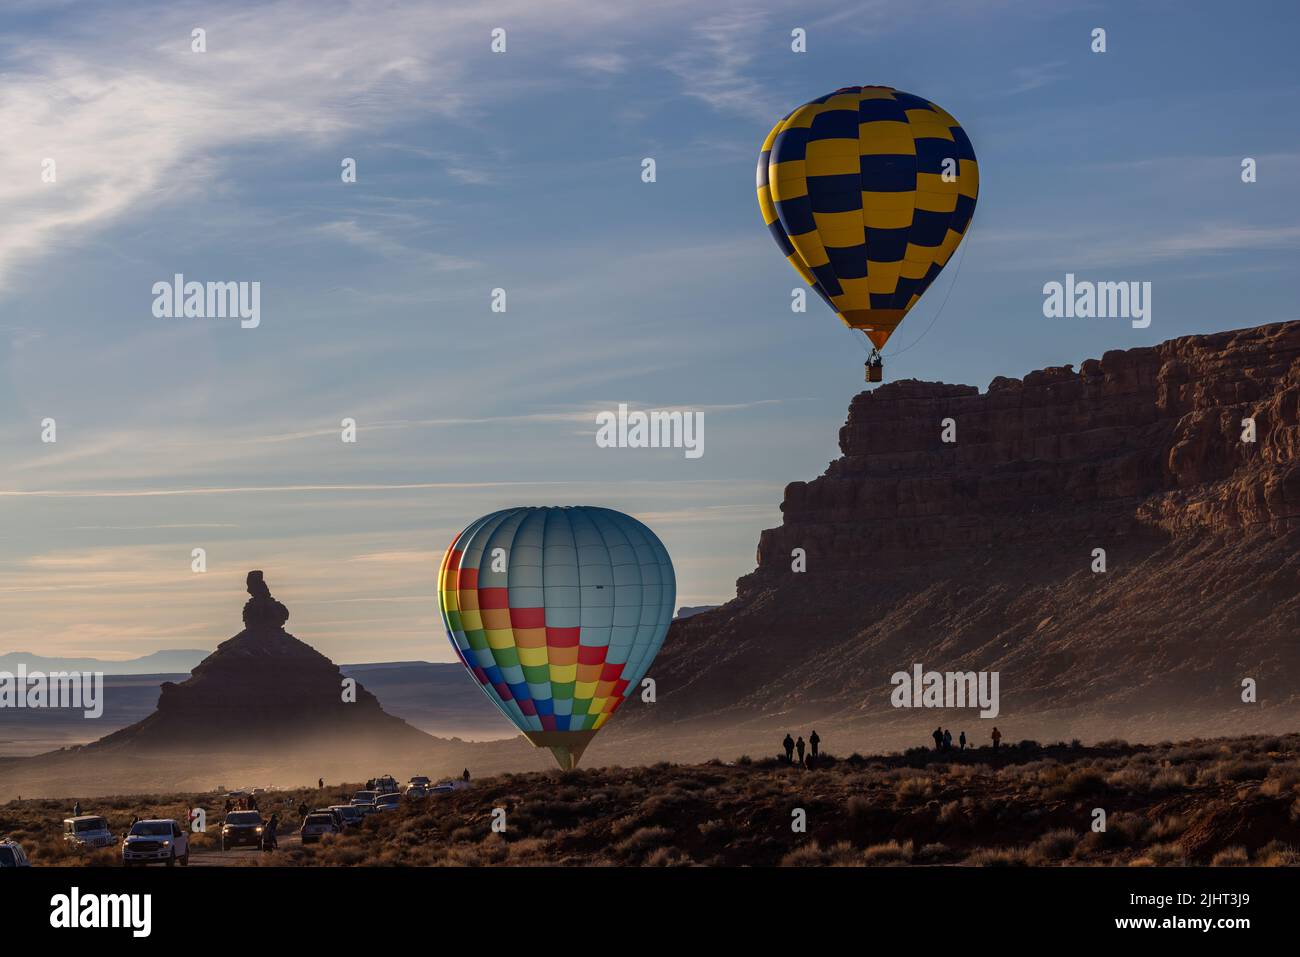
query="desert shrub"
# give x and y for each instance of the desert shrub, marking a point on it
(996, 857)
(1237, 769)
(809, 855)
(1079, 783)
(1192, 754)
(1053, 846)
(642, 839)
(527, 849)
(348, 855)
(1027, 776)
(911, 789)
(1129, 779)
(932, 853)
(951, 813)
(1129, 828)
(1231, 857)
(1281, 780)
(667, 857)
(859, 811)
(1277, 854)
(1171, 825)
(1165, 855)
(890, 852)
(843, 854)
(1168, 781)
(713, 826)
(1123, 831)
(669, 805)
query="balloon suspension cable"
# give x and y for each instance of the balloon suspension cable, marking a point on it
(955, 273)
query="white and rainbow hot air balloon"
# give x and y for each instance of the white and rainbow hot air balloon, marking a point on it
(558, 613)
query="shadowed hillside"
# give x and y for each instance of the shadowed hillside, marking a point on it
(979, 555)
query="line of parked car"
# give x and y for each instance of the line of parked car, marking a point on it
(386, 795)
(166, 841)
(160, 840)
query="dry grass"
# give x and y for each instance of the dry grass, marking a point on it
(1225, 803)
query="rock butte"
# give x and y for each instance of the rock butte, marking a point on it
(976, 555)
(266, 689)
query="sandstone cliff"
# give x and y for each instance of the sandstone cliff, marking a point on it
(978, 555)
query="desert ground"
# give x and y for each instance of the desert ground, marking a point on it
(1222, 802)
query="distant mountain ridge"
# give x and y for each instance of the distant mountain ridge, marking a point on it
(690, 611)
(177, 661)
(167, 662)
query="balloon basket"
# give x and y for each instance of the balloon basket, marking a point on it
(566, 746)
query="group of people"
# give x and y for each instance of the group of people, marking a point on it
(943, 739)
(805, 759)
(246, 803)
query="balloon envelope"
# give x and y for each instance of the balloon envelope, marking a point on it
(558, 613)
(868, 191)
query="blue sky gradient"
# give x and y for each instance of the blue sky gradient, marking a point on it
(522, 171)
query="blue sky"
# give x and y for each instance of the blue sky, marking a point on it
(522, 171)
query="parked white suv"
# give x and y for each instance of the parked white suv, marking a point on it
(160, 840)
(87, 830)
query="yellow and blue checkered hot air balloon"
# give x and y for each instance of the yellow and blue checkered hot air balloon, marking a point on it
(557, 613)
(868, 191)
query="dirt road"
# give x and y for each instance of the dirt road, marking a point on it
(214, 857)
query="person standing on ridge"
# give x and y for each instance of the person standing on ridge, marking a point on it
(997, 736)
(76, 809)
(813, 741)
(788, 744)
(799, 746)
(938, 738)
(962, 740)
(464, 775)
(947, 740)
(320, 783)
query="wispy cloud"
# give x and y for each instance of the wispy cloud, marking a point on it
(607, 63)
(716, 64)
(1021, 249)
(381, 244)
(134, 120)
(1027, 78)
